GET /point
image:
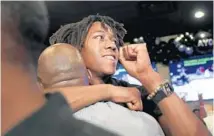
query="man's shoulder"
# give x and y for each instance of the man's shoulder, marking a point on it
(44, 119)
(53, 119)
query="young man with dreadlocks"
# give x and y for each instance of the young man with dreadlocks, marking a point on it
(100, 41)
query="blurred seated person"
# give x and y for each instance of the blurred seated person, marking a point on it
(61, 65)
(197, 113)
(25, 110)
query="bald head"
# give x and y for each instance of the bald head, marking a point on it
(61, 65)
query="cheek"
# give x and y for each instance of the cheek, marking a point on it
(91, 56)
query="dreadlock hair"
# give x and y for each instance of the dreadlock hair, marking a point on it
(75, 33)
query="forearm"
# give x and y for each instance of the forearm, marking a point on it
(180, 119)
(82, 96)
(164, 125)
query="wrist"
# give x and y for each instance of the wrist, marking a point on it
(103, 91)
(109, 91)
(150, 80)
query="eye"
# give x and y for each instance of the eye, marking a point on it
(115, 41)
(100, 37)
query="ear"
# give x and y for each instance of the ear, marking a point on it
(90, 77)
(40, 85)
(89, 74)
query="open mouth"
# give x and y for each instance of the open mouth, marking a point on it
(110, 57)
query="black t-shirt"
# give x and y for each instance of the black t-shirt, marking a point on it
(55, 119)
(148, 105)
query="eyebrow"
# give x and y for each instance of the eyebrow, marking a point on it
(101, 31)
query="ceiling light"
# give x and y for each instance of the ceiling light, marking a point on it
(202, 35)
(177, 39)
(199, 14)
(135, 40)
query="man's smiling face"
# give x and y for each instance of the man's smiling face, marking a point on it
(100, 52)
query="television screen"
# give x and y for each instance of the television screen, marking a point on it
(192, 77)
(121, 74)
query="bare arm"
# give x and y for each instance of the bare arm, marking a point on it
(179, 118)
(81, 96)
(164, 125)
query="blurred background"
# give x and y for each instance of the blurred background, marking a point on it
(179, 37)
(157, 23)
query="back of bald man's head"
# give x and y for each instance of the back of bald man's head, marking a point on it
(61, 65)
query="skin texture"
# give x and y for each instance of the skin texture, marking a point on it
(99, 43)
(61, 65)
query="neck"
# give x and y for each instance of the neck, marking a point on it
(94, 78)
(20, 96)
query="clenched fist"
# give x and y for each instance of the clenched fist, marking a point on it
(135, 59)
(129, 95)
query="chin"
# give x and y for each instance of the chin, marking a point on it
(109, 71)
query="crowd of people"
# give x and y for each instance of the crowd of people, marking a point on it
(70, 90)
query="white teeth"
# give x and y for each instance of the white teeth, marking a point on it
(110, 57)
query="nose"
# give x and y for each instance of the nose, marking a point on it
(110, 45)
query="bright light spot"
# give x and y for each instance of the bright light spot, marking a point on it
(202, 35)
(181, 35)
(135, 40)
(178, 65)
(177, 39)
(199, 14)
(186, 33)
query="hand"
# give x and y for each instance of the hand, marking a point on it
(135, 59)
(129, 95)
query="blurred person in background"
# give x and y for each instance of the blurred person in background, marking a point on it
(100, 42)
(25, 111)
(201, 111)
(197, 113)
